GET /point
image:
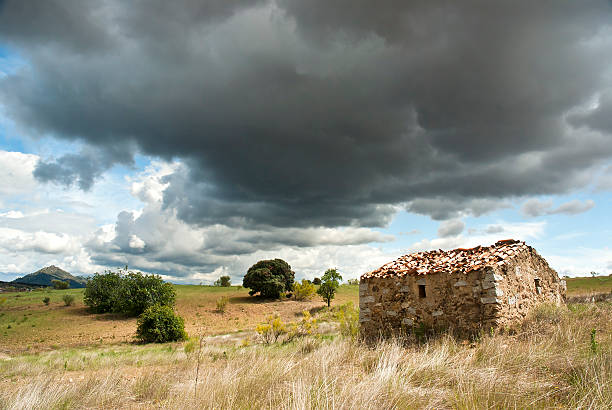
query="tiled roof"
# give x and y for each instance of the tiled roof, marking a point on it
(456, 261)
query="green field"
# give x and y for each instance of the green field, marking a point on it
(580, 286)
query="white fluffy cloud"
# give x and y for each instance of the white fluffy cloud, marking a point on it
(16, 173)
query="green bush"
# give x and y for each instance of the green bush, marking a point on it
(159, 324)
(138, 292)
(46, 300)
(68, 300)
(60, 284)
(316, 281)
(130, 293)
(304, 291)
(269, 278)
(224, 281)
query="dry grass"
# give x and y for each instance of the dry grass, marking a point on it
(548, 363)
(27, 324)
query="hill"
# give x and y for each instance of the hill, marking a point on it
(44, 277)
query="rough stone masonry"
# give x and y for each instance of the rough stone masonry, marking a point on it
(463, 289)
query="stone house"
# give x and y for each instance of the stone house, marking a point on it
(462, 289)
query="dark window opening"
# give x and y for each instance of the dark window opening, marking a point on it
(537, 286)
(422, 292)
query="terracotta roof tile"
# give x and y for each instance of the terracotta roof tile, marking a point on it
(458, 260)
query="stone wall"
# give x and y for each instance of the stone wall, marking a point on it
(522, 283)
(498, 295)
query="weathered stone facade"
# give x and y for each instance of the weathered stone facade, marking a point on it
(464, 289)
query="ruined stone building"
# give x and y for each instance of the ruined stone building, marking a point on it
(463, 289)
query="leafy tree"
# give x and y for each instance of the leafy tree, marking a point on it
(269, 278)
(102, 292)
(60, 284)
(159, 324)
(138, 292)
(316, 281)
(329, 284)
(129, 293)
(224, 281)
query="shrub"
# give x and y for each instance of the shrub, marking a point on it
(224, 281)
(159, 324)
(60, 284)
(305, 327)
(329, 284)
(68, 300)
(129, 293)
(271, 329)
(269, 278)
(348, 317)
(46, 300)
(353, 281)
(304, 291)
(316, 281)
(222, 304)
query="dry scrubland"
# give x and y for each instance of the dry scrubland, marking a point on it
(35, 326)
(551, 362)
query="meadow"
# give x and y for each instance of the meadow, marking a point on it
(64, 357)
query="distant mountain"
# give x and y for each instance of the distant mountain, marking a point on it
(46, 275)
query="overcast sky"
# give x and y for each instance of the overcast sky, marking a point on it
(192, 138)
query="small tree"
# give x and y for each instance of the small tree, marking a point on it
(316, 281)
(60, 284)
(224, 281)
(269, 278)
(159, 324)
(46, 300)
(329, 284)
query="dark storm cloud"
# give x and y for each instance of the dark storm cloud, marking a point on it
(84, 168)
(332, 113)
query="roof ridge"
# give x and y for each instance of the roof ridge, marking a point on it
(462, 260)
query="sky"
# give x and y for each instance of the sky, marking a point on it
(193, 138)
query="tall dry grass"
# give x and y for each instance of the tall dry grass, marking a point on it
(547, 363)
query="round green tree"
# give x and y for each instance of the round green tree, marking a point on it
(159, 324)
(269, 278)
(329, 284)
